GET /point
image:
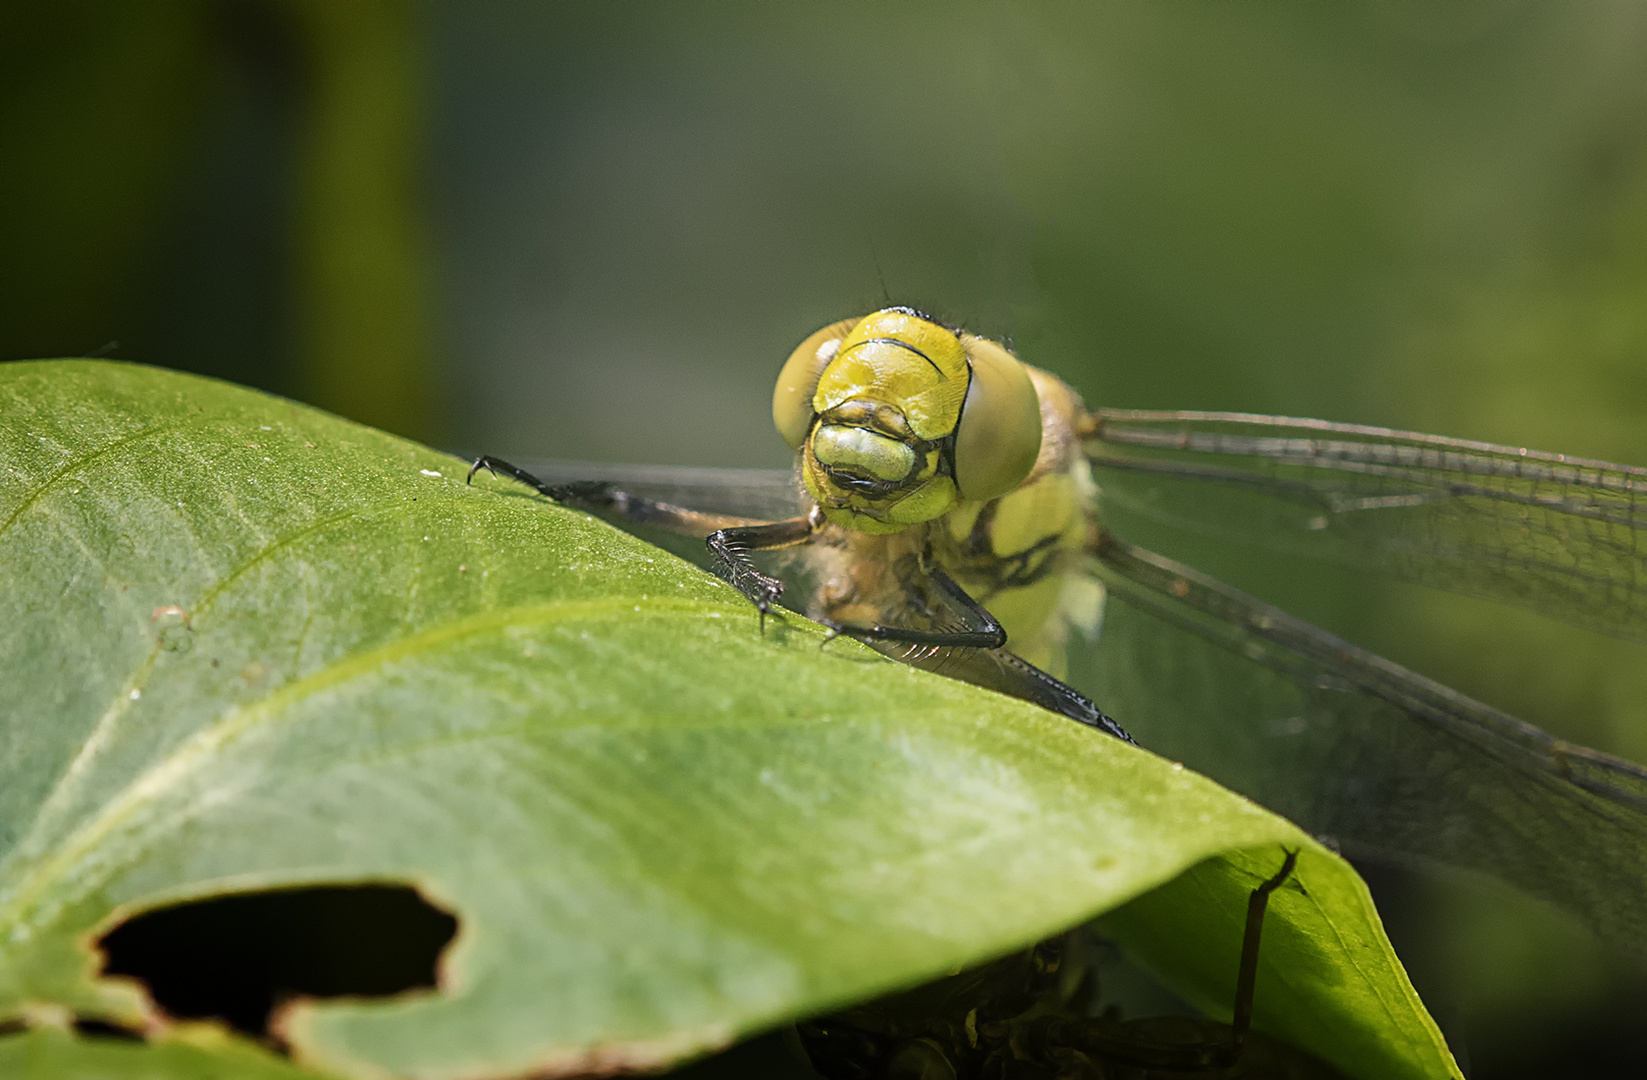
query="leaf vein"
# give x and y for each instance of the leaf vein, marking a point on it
(99, 737)
(73, 464)
(198, 750)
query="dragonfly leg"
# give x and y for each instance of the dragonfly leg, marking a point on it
(977, 654)
(1024, 680)
(983, 631)
(1246, 979)
(731, 548)
(1111, 1042)
(601, 496)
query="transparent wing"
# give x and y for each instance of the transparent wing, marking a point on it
(1561, 535)
(1385, 762)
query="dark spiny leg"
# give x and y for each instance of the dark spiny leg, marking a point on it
(1004, 671)
(600, 495)
(731, 548)
(557, 492)
(1060, 697)
(985, 632)
(1101, 1040)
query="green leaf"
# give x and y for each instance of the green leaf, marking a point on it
(245, 644)
(188, 1052)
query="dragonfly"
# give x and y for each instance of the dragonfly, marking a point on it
(949, 508)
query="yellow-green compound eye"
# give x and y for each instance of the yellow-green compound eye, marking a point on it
(798, 381)
(999, 435)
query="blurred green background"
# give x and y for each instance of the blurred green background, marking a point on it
(594, 231)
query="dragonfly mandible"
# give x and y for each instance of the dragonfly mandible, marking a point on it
(947, 507)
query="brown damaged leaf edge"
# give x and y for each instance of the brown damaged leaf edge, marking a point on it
(598, 1059)
(150, 1020)
(288, 1021)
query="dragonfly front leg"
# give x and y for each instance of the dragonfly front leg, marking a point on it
(730, 539)
(731, 548)
(603, 497)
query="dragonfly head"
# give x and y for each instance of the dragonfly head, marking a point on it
(897, 418)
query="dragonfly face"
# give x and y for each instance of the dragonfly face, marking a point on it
(897, 419)
(950, 519)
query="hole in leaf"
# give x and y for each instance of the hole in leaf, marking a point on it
(99, 1029)
(238, 957)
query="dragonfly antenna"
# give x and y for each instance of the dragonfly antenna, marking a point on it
(875, 257)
